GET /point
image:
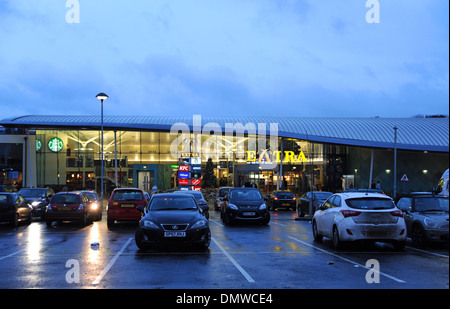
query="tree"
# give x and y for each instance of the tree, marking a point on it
(209, 178)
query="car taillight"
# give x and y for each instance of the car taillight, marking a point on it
(294, 198)
(397, 213)
(350, 213)
(275, 198)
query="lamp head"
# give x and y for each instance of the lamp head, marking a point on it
(102, 96)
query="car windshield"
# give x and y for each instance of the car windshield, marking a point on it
(286, 194)
(3, 199)
(431, 203)
(223, 192)
(370, 203)
(197, 195)
(173, 203)
(33, 192)
(66, 199)
(127, 195)
(92, 196)
(322, 195)
(245, 195)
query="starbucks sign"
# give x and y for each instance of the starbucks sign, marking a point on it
(55, 144)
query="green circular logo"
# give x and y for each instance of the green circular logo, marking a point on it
(55, 144)
(38, 144)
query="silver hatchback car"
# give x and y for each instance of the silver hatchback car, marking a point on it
(426, 217)
(355, 216)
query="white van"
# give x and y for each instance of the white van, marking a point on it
(442, 187)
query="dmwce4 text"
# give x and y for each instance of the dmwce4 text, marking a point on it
(245, 298)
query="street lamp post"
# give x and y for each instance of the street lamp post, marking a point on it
(102, 96)
(395, 161)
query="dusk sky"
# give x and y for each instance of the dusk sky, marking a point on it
(300, 58)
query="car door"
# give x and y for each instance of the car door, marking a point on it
(405, 205)
(321, 218)
(330, 214)
(22, 207)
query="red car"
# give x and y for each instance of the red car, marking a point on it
(122, 205)
(69, 206)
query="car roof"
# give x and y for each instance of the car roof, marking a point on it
(69, 192)
(131, 188)
(244, 188)
(353, 194)
(162, 195)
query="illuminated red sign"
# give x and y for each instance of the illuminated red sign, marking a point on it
(183, 168)
(196, 182)
(183, 182)
(197, 188)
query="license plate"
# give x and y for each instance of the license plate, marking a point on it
(127, 205)
(67, 208)
(174, 234)
(377, 234)
(248, 213)
(286, 204)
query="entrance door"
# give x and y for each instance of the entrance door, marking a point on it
(146, 180)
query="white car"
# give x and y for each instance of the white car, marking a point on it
(354, 216)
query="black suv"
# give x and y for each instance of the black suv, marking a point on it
(244, 204)
(38, 198)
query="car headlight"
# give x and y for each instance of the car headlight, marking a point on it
(263, 207)
(199, 224)
(150, 224)
(232, 206)
(429, 222)
(36, 203)
(94, 206)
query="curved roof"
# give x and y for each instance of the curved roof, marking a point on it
(425, 134)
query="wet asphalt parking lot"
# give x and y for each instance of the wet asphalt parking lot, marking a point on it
(282, 255)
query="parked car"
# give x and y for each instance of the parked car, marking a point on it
(38, 198)
(69, 206)
(202, 203)
(443, 184)
(245, 204)
(317, 198)
(281, 199)
(14, 208)
(95, 204)
(123, 203)
(426, 217)
(172, 219)
(353, 216)
(219, 197)
(368, 190)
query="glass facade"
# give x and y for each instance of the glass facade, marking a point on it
(72, 159)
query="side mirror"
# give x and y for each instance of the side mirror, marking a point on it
(205, 208)
(266, 199)
(141, 208)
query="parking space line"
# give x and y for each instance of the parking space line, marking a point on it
(236, 264)
(347, 260)
(215, 221)
(432, 253)
(12, 254)
(108, 267)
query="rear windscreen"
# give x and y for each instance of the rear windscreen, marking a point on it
(370, 203)
(66, 199)
(124, 195)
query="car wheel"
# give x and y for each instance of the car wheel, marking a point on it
(316, 235)
(48, 222)
(418, 235)
(207, 242)
(15, 221)
(138, 238)
(336, 241)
